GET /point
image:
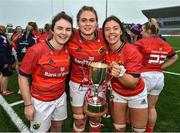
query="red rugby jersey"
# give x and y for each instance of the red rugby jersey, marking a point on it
(154, 51)
(43, 37)
(17, 36)
(84, 52)
(49, 68)
(130, 57)
(36, 34)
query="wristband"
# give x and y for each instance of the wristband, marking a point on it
(122, 72)
(27, 105)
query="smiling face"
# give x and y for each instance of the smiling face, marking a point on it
(62, 31)
(112, 32)
(87, 24)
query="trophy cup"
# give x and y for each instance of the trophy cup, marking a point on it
(95, 99)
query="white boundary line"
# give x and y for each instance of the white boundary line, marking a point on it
(14, 117)
(177, 74)
(16, 103)
(177, 51)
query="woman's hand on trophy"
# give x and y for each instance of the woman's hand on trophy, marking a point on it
(117, 70)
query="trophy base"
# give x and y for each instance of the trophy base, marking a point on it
(94, 110)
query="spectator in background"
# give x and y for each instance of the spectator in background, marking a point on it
(157, 55)
(134, 33)
(26, 41)
(46, 33)
(35, 31)
(16, 36)
(6, 60)
(160, 24)
(48, 63)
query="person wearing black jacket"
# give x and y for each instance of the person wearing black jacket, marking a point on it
(26, 41)
(6, 60)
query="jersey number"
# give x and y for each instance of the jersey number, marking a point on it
(158, 59)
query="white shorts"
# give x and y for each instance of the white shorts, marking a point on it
(154, 82)
(137, 101)
(46, 112)
(77, 94)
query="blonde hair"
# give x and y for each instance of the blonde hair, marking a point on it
(2, 29)
(29, 28)
(152, 26)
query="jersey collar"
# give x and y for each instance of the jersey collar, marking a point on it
(120, 47)
(50, 46)
(95, 34)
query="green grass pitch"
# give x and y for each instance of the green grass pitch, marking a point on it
(168, 107)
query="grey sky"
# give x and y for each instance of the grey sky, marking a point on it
(19, 12)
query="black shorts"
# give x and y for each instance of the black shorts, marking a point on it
(1, 66)
(6, 71)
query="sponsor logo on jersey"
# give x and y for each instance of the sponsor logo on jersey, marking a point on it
(101, 50)
(47, 74)
(91, 58)
(84, 62)
(62, 69)
(24, 43)
(159, 52)
(51, 61)
(79, 49)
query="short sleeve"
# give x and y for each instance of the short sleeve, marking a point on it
(134, 61)
(171, 51)
(139, 45)
(30, 60)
